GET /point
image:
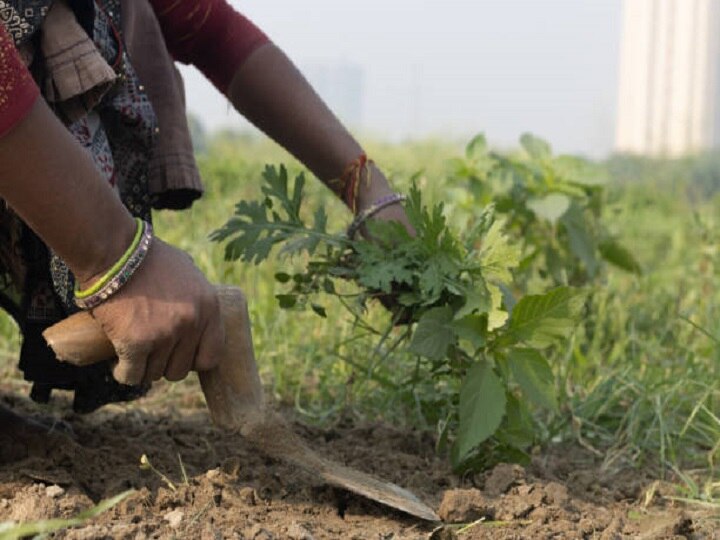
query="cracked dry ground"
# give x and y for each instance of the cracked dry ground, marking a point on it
(234, 492)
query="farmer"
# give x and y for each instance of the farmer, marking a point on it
(93, 137)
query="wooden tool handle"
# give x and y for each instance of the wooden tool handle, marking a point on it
(234, 396)
(232, 390)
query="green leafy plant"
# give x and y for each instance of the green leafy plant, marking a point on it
(553, 206)
(450, 289)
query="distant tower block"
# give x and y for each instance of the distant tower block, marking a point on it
(669, 100)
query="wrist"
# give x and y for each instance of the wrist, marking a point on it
(103, 253)
(372, 187)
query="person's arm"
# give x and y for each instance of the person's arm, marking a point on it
(264, 86)
(270, 91)
(167, 311)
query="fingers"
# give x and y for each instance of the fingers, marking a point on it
(131, 365)
(163, 323)
(212, 343)
(157, 363)
(174, 358)
(202, 345)
(181, 360)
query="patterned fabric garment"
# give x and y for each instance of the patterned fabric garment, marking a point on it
(22, 17)
(126, 128)
(119, 134)
(120, 131)
(88, 131)
(18, 91)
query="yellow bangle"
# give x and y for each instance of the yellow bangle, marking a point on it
(110, 274)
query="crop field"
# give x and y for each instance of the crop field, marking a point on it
(549, 367)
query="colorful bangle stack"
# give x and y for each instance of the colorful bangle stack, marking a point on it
(371, 210)
(120, 273)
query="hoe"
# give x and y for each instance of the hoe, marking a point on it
(234, 396)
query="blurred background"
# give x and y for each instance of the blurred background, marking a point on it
(631, 84)
(592, 77)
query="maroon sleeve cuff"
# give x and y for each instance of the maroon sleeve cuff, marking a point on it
(18, 91)
(209, 34)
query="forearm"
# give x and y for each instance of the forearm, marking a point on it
(52, 184)
(270, 91)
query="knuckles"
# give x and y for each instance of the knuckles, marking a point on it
(146, 326)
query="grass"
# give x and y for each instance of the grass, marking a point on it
(38, 529)
(639, 381)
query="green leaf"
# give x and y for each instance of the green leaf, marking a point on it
(319, 310)
(276, 187)
(497, 317)
(533, 374)
(550, 207)
(434, 334)
(257, 227)
(582, 243)
(379, 274)
(556, 264)
(616, 254)
(517, 428)
(542, 320)
(320, 220)
(477, 300)
(481, 409)
(537, 148)
(473, 328)
(477, 147)
(328, 286)
(432, 278)
(286, 301)
(579, 171)
(497, 256)
(297, 245)
(282, 277)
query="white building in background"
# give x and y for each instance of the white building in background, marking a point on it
(669, 99)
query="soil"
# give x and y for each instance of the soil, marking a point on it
(229, 490)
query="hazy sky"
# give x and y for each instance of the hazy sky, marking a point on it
(456, 66)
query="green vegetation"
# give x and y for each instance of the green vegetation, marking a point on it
(38, 529)
(481, 349)
(636, 380)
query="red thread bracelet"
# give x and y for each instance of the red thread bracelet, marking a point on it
(350, 180)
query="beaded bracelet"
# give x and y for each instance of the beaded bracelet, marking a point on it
(121, 272)
(373, 209)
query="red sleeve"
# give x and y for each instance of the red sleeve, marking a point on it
(18, 90)
(209, 34)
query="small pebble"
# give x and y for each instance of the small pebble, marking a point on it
(248, 496)
(525, 490)
(174, 518)
(297, 531)
(54, 491)
(212, 474)
(557, 494)
(259, 533)
(464, 506)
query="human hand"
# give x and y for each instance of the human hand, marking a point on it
(165, 321)
(376, 189)
(369, 194)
